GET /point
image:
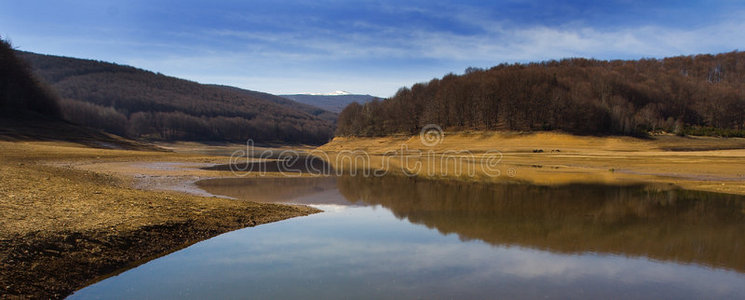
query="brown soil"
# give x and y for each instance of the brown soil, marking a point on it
(69, 215)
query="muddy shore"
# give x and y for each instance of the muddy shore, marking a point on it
(70, 215)
(55, 264)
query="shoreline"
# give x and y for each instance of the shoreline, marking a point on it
(550, 158)
(73, 215)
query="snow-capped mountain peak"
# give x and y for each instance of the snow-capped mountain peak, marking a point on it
(334, 93)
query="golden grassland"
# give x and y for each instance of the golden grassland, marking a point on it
(69, 214)
(548, 158)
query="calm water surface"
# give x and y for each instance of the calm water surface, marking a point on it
(408, 238)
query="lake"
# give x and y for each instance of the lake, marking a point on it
(400, 237)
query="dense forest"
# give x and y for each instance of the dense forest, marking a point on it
(20, 92)
(140, 104)
(31, 110)
(699, 95)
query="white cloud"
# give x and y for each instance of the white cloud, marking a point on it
(378, 58)
(298, 61)
(498, 42)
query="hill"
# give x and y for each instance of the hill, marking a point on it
(700, 95)
(321, 113)
(30, 110)
(141, 104)
(334, 103)
(21, 92)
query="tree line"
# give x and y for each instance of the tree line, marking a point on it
(701, 94)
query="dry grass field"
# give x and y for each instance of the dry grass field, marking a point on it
(69, 213)
(698, 163)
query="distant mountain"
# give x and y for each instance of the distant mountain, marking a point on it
(334, 93)
(333, 102)
(141, 104)
(321, 113)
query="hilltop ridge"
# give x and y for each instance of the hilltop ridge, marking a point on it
(333, 102)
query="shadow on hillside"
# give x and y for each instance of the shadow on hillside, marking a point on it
(25, 126)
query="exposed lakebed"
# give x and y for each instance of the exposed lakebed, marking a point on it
(398, 237)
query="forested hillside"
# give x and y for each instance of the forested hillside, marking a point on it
(702, 94)
(20, 92)
(141, 104)
(317, 111)
(30, 110)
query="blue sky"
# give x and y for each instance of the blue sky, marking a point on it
(367, 47)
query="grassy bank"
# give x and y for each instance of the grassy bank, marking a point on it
(697, 163)
(69, 214)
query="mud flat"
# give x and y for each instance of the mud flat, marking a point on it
(71, 214)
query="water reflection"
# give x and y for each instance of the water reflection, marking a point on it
(660, 223)
(409, 238)
(288, 162)
(295, 190)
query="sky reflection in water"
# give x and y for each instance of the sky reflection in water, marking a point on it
(371, 249)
